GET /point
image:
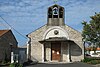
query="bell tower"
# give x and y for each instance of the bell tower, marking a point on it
(55, 16)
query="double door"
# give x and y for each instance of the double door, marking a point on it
(56, 51)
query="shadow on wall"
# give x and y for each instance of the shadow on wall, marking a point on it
(34, 60)
(75, 49)
(30, 62)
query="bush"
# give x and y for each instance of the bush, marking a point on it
(86, 60)
(91, 60)
(94, 62)
(12, 65)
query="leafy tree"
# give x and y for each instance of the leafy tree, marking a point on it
(91, 31)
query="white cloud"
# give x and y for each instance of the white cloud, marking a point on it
(28, 15)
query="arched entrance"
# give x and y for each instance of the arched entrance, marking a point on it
(55, 45)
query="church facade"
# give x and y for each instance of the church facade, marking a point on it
(55, 41)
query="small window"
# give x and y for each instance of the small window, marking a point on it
(61, 13)
(50, 13)
(55, 12)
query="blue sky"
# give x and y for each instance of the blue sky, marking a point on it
(27, 15)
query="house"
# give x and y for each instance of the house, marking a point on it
(55, 41)
(91, 52)
(8, 42)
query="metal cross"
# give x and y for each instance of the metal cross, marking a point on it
(55, 1)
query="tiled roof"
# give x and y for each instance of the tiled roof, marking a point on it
(92, 48)
(98, 48)
(3, 32)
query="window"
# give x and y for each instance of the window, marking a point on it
(49, 13)
(55, 12)
(61, 13)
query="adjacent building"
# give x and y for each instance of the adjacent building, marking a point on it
(92, 51)
(55, 41)
(8, 43)
(22, 54)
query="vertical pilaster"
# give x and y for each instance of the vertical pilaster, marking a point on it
(50, 52)
(69, 54)
(42, 52)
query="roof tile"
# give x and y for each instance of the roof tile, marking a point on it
(3, 32)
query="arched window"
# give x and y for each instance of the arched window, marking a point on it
(61, 12)
(55, 12)
(49, 13)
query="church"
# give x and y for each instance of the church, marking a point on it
(55, 41)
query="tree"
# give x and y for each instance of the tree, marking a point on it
(91, 31)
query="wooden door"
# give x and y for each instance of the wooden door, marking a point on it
(56, 51)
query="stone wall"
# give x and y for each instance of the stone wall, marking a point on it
(4, 50)
(5, 41)
(77, 48)
(36, 51)
(64, 52)
(47, 51)
(36, 47)
(76, 52)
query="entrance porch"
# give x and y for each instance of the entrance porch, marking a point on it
(56, 50)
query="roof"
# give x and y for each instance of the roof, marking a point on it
(2, 32)
(5, 32)
(53, 39)
(92, 48)
(98, 48)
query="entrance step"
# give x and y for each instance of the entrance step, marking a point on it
(56, 62)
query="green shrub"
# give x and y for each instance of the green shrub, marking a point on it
(86, 60)
(16, 65)
(12, 65)
(95, 61)
(91, 60)
(20, 65)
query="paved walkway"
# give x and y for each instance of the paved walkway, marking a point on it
(98, 65)
(77, 64)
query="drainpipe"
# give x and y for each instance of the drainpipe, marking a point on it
(28, 48)
(12, 54)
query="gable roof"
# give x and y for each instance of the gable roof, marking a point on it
(2, 32)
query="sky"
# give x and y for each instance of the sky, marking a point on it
(26, 16)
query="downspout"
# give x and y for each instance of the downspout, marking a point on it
(28, 49)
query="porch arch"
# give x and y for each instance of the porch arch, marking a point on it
(50, 33)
